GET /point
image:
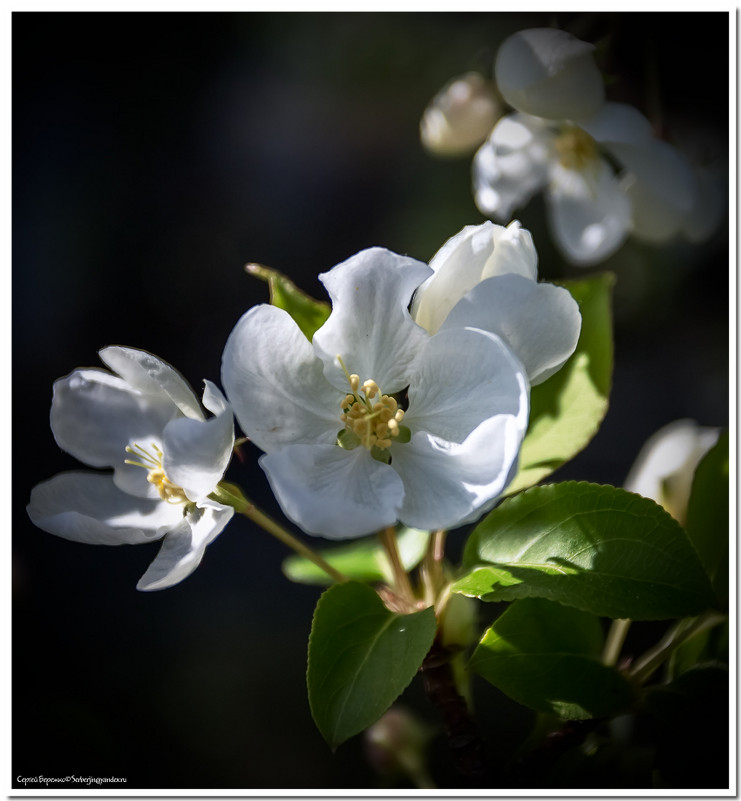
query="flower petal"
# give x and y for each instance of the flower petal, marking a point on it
(539, 322)
(549, 73)
(475, 253)
(88, 507)
(182, 548)
(512, 165)
(618, 123)
(661, 186)
(152, 376)
(331, 492)
(462, 377)
(197, 452)
(94, 416)
(275, 382)
(589, 212)
(446, 485)
(370, 326)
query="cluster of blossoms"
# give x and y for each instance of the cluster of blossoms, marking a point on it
(603, 173)
(409, 404)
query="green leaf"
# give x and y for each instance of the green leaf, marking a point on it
(708, 515)
(547, 657)
(598, 548)
(361, 560)
(361, 657)
(309, 314)
(566, 410)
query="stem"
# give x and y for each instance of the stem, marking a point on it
(431, 569)
(249, 510)
(462, 733)
(644, 666)
(615, 639)
(401, 577)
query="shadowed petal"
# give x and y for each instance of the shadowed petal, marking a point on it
(275, 382)
(463, 377)
(589, 212)
(88, 507)
(448, 484)
(151, 376)
(370, 326)
(331, 492)
(182, 548)
(540, 322)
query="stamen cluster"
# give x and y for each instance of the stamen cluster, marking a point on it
(152, 463)
(373, 422)
(575, 147)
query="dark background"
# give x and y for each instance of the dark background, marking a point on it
(155, 154)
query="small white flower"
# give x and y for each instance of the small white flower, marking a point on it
(549, 73)
(146, 424)
(666, 465)
(588, 204)
(486, 277)
(375, 420)
(460, 116)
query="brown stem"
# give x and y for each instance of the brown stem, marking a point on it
(401, 578)
(462, 733)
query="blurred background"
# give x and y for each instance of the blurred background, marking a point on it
(154, 155)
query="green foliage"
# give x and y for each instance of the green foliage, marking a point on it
(598, 548)
(707, 515)
(361, 657)
(547, 657)
(361, 560)
(309, 314)
(567, 409)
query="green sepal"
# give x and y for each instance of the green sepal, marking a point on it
(362, 560)
(567, 409)
(348, 440)
(308, 313)
(595, 547)
(547, 657)
(404, 435)
(361, 658)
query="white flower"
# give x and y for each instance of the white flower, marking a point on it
(588, 205)
(486, 277)
(549, 73)
(460, 116)
(666, 465)
(145, 423)
(375, 420)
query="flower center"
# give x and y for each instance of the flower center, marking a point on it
(576, 149)
(369, 415)
(151, 461)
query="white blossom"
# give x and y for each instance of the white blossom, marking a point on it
(589, 204)
(486, 276)
(460, 116)
(376, 420)
(666, 464)
(144, 421)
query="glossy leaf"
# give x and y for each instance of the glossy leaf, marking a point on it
(708, 515)
(361, 657)
(361, 560)
(595, 547)
(547, 657)
(309, 314)
(566, 410)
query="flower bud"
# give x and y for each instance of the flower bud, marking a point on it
(549, 73)
(460, 116)
(666, 465)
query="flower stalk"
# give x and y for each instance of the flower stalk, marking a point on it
(232, 496)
